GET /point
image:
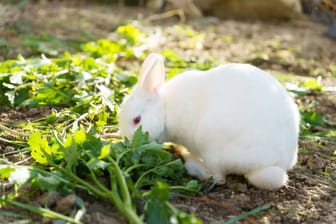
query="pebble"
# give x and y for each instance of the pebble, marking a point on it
(315, 162)
(242, 188)
(66, 204)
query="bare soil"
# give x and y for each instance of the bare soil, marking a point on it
(298, 49)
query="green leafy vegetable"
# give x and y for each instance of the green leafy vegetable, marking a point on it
(81, 160)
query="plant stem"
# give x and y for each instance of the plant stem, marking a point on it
(113, 194)
(127, 208)
(77, 179)
(122, 182)
(42, 211)
(124, 207)
(182, 188)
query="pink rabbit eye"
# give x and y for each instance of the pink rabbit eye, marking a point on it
(136, 120)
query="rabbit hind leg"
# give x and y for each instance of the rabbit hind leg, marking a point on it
(270, 178)
(196, 167)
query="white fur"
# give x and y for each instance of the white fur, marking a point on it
(234, 118)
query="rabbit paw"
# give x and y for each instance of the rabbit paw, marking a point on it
(196, 168)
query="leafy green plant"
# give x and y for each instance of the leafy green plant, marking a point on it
(128, 168)
(313, 84)
(70, 79)
(306, 87)
(43, 44)
(314, 123)
(67, 146)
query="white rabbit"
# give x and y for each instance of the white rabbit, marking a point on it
(233, 119)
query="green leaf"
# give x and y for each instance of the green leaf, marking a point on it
(80, 137)
(92, 145)
(47, 183)
(311, 120)
(103, 47)
(173, 58)
(102, 118)
(71, 153)
(97, 164)
(155, 150)
(127, 80)
(157, 212)
(105, 151)
(5, 172)
(40, 149)
(160, 191)
(139, 138)
(156, 208)
(313, 84)
(131, 34)
(193, 185)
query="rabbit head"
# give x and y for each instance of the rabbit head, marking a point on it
(144, 105)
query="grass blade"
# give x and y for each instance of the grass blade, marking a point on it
(12, 214)
(246, 214)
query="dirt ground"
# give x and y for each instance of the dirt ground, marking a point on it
(309, 197)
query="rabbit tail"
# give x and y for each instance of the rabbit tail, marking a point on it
(270, 178)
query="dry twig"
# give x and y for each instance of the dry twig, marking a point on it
(168, 14)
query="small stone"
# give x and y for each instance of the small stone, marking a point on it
(332, 173)
(48, 199)
(9, 148)
(242, 198)
(315, 197)
(66, 204)
(242, 187)
(315, 162)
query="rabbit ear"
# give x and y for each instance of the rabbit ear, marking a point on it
(152, 74)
